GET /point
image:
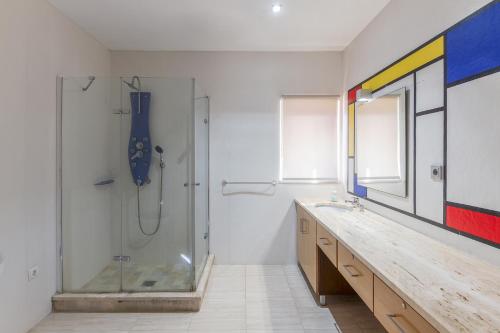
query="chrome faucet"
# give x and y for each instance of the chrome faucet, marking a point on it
(356, 204)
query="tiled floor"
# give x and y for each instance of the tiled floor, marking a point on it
(239, 299)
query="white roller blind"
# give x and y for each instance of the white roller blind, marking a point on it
(309, 138)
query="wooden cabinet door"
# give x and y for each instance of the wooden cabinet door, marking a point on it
(306, 245)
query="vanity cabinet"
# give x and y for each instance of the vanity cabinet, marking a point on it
(328, 255)
(394, 314)
(306, 246)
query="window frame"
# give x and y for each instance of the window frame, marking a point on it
(283, 180)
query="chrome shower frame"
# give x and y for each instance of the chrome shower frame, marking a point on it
(59, 245)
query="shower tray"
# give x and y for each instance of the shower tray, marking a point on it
(136, 301)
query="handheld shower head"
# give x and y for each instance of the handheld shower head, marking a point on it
(159, 149)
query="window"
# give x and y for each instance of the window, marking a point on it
(309, 138)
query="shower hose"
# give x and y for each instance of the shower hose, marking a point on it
(160, 204)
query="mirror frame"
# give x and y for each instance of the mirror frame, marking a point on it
(397, 187)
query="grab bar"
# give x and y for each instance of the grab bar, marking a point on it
(226, 182)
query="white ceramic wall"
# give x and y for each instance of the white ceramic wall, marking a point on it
(37, 44)
(244, 90)
(402, 26)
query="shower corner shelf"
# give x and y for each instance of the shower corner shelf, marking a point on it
(104, 182)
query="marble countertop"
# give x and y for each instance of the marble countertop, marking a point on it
(452, 290)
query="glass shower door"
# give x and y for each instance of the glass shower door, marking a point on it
(201, 176)
(156, 211)
(88, 191)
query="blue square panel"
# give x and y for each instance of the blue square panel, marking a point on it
(473, 46)
(359, 190)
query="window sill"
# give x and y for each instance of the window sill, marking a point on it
(308, 181)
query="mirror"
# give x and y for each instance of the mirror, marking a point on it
(381, 143)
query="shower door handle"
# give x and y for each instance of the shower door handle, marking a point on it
(195, 184)
(122, 258)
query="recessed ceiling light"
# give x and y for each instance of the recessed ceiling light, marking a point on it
(277, 8)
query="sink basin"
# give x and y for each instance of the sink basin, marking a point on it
(334, 205)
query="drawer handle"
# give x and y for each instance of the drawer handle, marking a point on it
(324, 241)
(304, 226)
(394, 319)
(352, 270)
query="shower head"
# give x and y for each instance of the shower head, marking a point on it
(132, 85)
(159, 149)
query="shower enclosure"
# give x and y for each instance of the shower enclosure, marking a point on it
(133, 184)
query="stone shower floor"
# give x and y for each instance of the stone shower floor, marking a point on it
(140, 278)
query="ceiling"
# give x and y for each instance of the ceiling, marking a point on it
(229, 25)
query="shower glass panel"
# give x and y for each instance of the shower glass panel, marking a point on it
(134, 193)
(161, 261)
(89, 170)
(201, 170)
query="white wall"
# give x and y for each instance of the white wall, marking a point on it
(37, 44)
(402, 26)
(244, 90)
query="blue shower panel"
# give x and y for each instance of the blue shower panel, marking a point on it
(473, 46)
(139, 146)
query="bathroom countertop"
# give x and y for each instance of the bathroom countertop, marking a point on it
(452, 290)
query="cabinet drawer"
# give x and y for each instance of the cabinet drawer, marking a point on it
(357, 274)
(394, 314)
(327, 243)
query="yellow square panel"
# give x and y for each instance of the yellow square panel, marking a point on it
(418, 58)
(351, 130)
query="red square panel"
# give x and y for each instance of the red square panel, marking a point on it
(479, 224)
(351, 95)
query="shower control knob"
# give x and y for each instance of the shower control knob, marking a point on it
(134, 139)
(139, 145)
(138, 154)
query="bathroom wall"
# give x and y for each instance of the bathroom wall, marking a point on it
(400, 28)
(244, 90)
(37, 44)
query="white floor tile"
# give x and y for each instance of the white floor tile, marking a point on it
(239, 299)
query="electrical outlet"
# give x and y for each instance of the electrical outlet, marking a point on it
(33, 273)
(437, 173)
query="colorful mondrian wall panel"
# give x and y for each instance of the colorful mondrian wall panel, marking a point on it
(455, 123)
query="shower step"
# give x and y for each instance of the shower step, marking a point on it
(135, 302)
